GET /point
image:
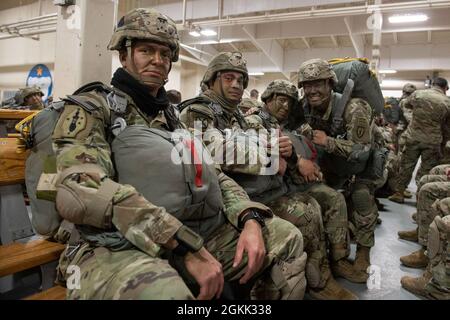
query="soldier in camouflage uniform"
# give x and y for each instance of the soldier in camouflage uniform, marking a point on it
(343, 149)
(435, 281)
(124, 238)
(431, 113)
(215, 113)
(279, 98)
(248, 103)
(31, 98)
(433, 186)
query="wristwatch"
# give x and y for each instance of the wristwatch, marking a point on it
(251, 215)
(188, 241)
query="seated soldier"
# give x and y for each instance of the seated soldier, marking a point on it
(154, 225)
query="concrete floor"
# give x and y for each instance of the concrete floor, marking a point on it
(387, 251)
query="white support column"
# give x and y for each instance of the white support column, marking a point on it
(82, 35)
(271, 49)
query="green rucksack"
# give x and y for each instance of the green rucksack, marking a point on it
(366, 85)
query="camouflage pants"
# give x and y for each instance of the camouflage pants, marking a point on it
(428, 194)
(430, 155)
(437, 174)
(334, 216)
(438, 251)
(304, 212)
(393, 166)
(363, 213)
(132, 274)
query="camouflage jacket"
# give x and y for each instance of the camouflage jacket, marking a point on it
(219, 126)
(356, 127)
(80, 137)
(430, 115)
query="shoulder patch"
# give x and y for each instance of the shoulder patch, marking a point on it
(74, 122)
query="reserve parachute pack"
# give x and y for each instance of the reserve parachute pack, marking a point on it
(366, 85)
(187, 187)
(260, 188)
(40, 172)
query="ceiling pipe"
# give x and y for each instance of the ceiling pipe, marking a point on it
(29, 33)
(317, 13)
(39, 18)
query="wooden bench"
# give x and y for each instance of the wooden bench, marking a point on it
(17, 257)
(54, 293)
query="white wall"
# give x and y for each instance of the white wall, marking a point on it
(19, 55)
(191, 76)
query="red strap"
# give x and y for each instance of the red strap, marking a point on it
(313, 150)
(197, 163)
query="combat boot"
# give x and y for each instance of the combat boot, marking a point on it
(397, 197)
(362, 259)
(332, 291)
(411, 235)
(417, 259)
(417, 285)
(407, 194)
(343, 268)
(414, 217)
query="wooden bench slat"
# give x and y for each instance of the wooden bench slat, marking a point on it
(17, 257)
(54, 293)
(11, 114)
(12, 163)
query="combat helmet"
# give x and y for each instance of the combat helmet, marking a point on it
(316, 69)
(280, 86)
(146, 24)
(23, 93)
(409, 88)
(226, 61)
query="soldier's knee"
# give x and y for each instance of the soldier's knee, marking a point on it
(362, 200)
(284, 236)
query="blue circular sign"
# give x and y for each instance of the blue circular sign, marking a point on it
(41, 77)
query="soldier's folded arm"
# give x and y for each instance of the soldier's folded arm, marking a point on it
(87, 194)
(202, 117)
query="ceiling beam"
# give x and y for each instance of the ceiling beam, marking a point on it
(204, 54)
(306, 42)
(335, 41)
(270, 48)
(357, 40)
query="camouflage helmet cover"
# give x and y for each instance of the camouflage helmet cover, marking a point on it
(409, 88)
(146, 24)
(316, 69)
(226, 61)
(280, 86)
(23, 93)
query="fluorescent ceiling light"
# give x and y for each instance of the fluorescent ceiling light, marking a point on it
(256, 73)
(405, 18)
(208, 32)
(194, 33)
(387, 71)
